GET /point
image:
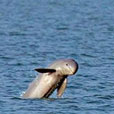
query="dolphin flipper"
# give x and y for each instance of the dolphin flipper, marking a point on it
(45, 70)
(62, 87)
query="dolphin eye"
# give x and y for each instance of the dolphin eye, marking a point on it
(66, 64)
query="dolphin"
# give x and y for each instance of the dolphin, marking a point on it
(51, 78)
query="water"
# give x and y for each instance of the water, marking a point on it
(35, 33)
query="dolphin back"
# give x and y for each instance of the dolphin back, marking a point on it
(41, 86)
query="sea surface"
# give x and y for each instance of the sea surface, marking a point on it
(34, 33)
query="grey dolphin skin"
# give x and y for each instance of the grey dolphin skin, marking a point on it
(51, 78)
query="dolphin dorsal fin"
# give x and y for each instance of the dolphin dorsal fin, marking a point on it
(45, 70)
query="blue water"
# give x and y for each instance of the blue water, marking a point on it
(34, 33)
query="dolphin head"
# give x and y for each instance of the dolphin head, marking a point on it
(65, 66)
